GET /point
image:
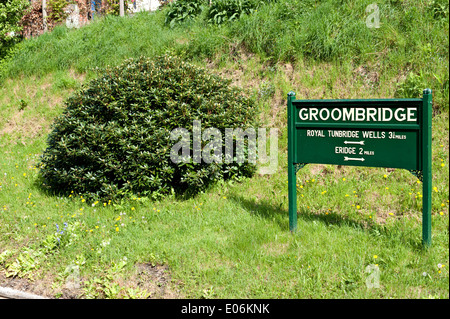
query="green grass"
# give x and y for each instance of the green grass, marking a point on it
(412, 38)
(238, 246)
(233, 240)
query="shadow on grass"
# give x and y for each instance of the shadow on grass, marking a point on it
(264, 209)
(275, 211)
(41, 185)
(278, 214)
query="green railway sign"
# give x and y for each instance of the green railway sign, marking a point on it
(394, 133)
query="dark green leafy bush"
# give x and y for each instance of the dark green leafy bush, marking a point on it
(114, 136)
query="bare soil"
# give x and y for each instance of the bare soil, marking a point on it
(154, 279)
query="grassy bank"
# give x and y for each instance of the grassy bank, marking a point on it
(411, 41)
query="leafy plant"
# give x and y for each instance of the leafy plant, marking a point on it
(22, 104)
(440, 10)
(442, 90)
(412, 87)
(222, 11)
(56, 10)
(266, 90)
(114, 136)
(5, 255)
(183, 10)
(24, 265)
(218, 11)
(106, 287)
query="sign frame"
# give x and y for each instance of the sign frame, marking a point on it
(404, 137)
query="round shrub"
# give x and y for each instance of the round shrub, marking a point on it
(114, 137)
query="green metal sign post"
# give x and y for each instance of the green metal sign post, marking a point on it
(394, 133)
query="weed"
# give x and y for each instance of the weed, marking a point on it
(412, 87)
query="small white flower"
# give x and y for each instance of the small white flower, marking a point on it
(424, 274)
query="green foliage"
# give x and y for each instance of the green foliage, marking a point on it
(23, 266)
(441, 90)
(56, 9)
(440, 10)
(222, 11)
(414, 84)
(183, 10)
(114, 137)
(62, 81)
(412, 87)
(11, 11)
(218, 11)
(105, 287)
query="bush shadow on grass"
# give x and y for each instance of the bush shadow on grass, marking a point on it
(180, 194)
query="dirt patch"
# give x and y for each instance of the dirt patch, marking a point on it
(23, 128)
(24, 285)
(369, 77)
(156, 280)
(317, 169)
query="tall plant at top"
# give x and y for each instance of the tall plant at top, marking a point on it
(183, 10)
(215, 11)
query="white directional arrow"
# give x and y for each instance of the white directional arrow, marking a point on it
(354, 142)
(353, 159)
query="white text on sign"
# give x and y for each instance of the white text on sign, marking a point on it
(358, 114)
